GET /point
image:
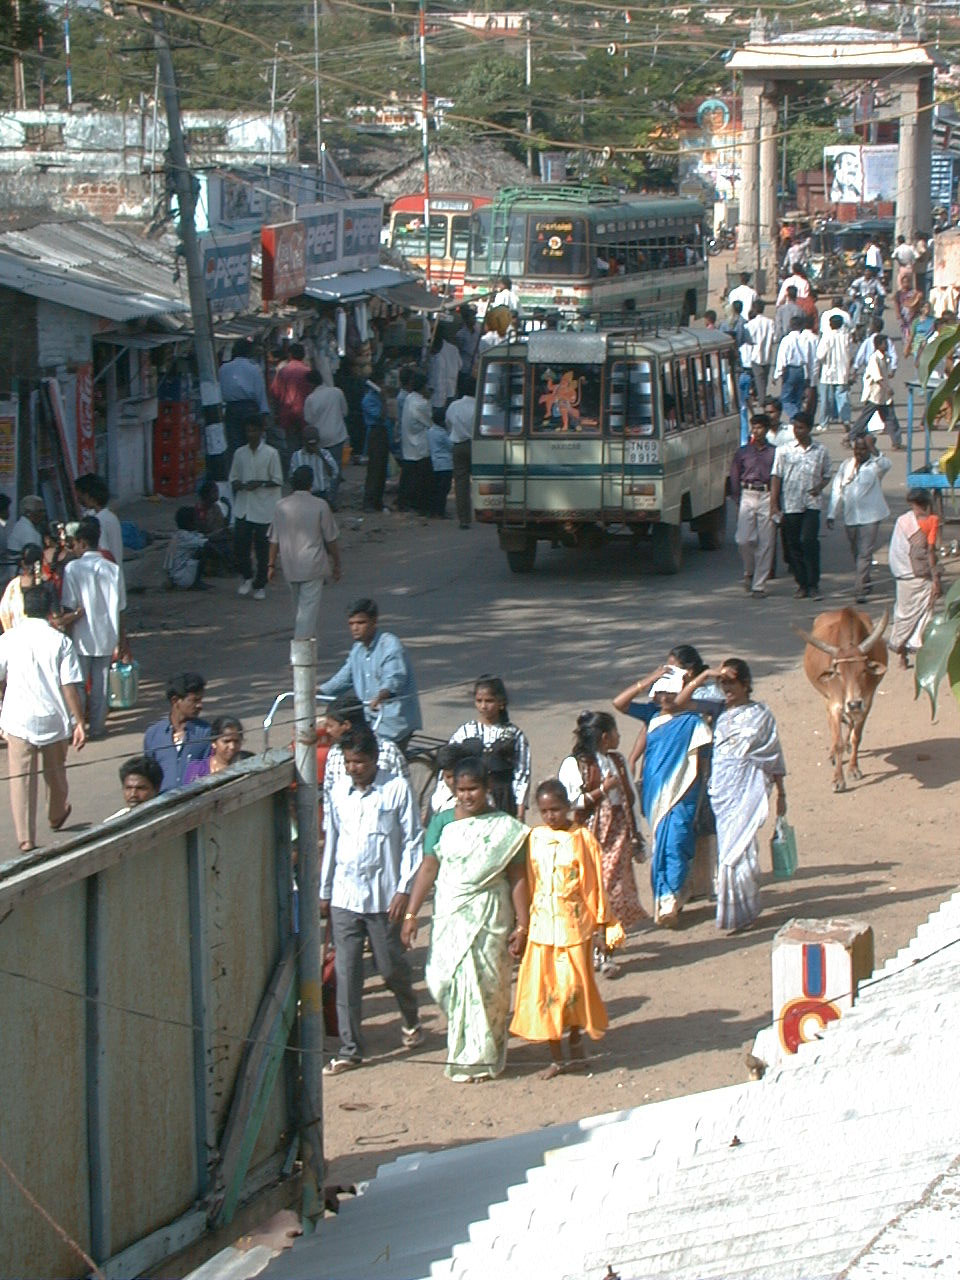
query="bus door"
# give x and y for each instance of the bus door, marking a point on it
(499, 463)
(632, 447)
(566, 459)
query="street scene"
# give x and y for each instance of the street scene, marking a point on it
(478, 661)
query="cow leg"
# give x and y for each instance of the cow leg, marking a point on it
(836, 736)
(856, 733)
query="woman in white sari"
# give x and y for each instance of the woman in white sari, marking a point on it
(747, 764)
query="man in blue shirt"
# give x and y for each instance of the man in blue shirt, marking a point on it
(379, 672)
(181, 736)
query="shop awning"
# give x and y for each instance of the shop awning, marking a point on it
(142, 341)
(350, 286)
(412, 295)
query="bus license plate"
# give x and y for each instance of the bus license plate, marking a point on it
(643, 452)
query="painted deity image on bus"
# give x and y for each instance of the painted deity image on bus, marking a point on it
(568, 401)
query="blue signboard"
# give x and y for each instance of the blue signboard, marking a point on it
(360, 234)
(226, 271)
(322, 224)
(942, 184)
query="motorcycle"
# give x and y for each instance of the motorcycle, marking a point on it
(871, 308)
(723, 238)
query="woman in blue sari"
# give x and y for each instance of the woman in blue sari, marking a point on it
(670, 794)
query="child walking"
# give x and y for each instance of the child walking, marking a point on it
(556, 989)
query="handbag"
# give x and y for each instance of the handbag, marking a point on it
(783, 850)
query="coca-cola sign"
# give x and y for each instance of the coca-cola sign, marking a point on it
(284, 264)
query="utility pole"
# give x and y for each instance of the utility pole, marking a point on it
(321, 151)
(273, 100)
(183, 185)
(303, 659)
(425, 136)
(66, 54)
(19, 87)
(529, 82)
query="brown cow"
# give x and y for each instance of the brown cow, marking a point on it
(845, 660)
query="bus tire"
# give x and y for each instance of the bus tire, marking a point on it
(522, 559)
(712, 528)
(667, 548)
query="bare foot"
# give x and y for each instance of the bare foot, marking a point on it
(551, 1072)
(578, 1058)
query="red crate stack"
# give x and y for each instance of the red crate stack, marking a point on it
(176, 449)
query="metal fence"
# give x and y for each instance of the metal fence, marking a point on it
(147, 990)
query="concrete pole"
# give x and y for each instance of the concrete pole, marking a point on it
(303, 659)
(528, 80)
(767, 274)
(748, 240)
(183, 185)
(907, 169)
(924, 152)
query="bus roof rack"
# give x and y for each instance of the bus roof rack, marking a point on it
(560, 193)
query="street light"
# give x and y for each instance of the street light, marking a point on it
(273, 99)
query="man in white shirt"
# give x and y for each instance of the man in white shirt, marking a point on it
(321, 463)
(857, 492)
(28, 528)
(443, 373)
(866, 349)
(761, 329)
(416, 474)
(873, 257)
(304, 534)
(372, 849)
(801, 472)
(93, 493)
(744, 293)
(94, 587)
(326, 409)
(838, 309)
(796, 367)
(257, 481)
(41, 715)
(507, 296)
(833, 356)
(459, 419)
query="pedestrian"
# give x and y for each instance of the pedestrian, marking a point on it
(905, 256)
(460, 416)
(304, 534)
(467, 340)
(750, 489)
(226, 743)
(441, 464)
(857, 492)
(741, 335)
(326, 409)
(867, 347)
(797, 288)
(181, 736)
(507, 296)
(876, 396)
(921, 266)
(415, 473)
(492, 726)
(785, 313)
(41, 716)
(95, 585)
(801, 472)
(744, 293)
(837, 309)
(747, 764)
(796, 367)
(443, 372)
(140, 779)
(475, 856)
(32, 572)
(256, 478)
(556, 989)
(710, 319)
(781, 432)
(372, 849)
(873, 256)
(342, 716)
(379, 672)
(289, 389)
(244, 395)
(599, 787)
(320, 461)
(760, 329)
(94, 494)
(913, 564)
(377, 446)
(835, 359)
(29, 527)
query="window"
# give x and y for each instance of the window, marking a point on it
(567, 400)
(501, 398)
(668, 387)
(43, 137)
(479, 241)
(409, 236)
(558, 246)
(460, 238)
(687, 409)
(727, 384)
(630, 406)
(699, 388)
(711, 385)
(514, 252)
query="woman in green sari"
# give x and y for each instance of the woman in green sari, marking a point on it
(476, 857)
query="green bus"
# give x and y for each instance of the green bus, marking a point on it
(580, 436)
(590, 253)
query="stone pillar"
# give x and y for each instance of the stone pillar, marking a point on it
(907, 167)
(748, 245)
(768, 182)
(924, 150)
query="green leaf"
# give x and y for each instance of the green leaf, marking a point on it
(933, 656)
(946, 391)
(949, 463)
(952, 598)
(934, 353)
(953, 673)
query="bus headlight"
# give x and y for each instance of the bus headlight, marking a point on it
(491, 488)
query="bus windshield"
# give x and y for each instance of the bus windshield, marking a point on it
(558, 246)
(409, 236)
(567, 398)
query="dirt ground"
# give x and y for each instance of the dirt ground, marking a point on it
(569, 636)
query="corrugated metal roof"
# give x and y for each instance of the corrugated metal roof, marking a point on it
(355, 284)
(96, 264)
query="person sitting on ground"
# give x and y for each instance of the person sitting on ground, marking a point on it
(556, 989)
(181, 736)
(213, 520)
(183, 563)
(226, 744)
(141, 778)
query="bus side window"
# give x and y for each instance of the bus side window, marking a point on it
(668, 388)
(501, 402)
(686, 409)
(699, 387)
(727, 384)
(631, 399)
(710, 378)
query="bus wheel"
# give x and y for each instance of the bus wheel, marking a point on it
(667, 548)
(712, 528)
(521, 561)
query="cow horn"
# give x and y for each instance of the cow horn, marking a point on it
(830, 650)
(866, 645)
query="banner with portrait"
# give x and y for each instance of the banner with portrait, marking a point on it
(843, 173)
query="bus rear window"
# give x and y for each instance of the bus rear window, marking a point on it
(630, 407)
(410, 239)
(501, 398)
(567, 399)
(557, 246)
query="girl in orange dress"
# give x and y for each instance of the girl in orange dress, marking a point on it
(556, 989)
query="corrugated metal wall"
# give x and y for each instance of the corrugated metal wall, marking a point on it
(132, 965)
